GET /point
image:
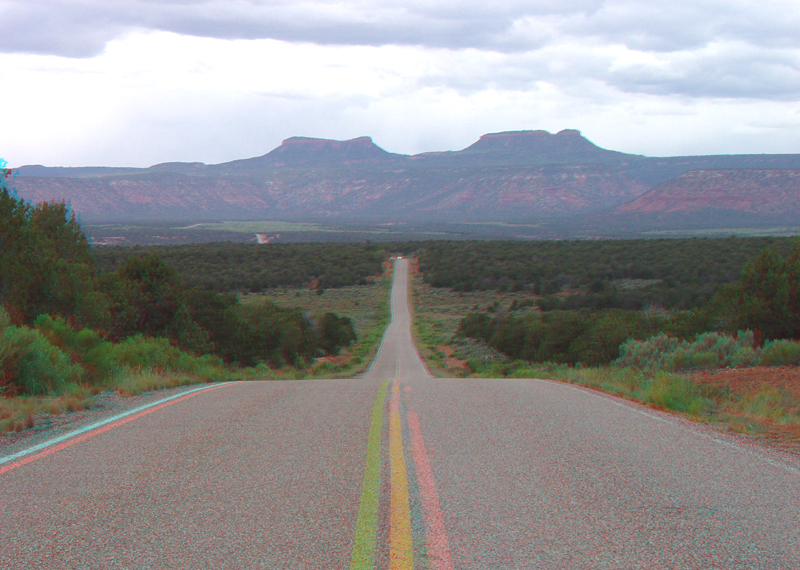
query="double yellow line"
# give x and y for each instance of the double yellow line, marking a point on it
(401, 547)
(363, 554)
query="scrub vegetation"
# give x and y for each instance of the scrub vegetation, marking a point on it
(70, 330)
(630, 338)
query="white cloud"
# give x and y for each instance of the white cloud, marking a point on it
(134, 82)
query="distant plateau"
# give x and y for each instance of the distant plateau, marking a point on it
(520, 184)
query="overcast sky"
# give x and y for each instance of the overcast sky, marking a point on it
(138, 82)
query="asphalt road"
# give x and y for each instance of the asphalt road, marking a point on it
(397, 469)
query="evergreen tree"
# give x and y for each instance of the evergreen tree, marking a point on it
(45, 265)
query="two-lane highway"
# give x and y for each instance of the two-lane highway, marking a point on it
(397, 469)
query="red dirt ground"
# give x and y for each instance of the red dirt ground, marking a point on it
(450, 360)
(751, 381)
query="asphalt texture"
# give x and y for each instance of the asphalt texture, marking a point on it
(521, 473)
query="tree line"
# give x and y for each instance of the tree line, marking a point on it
(764, 300)
(226, 266)
(625, 274)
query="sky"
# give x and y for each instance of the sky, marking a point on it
(140, 82)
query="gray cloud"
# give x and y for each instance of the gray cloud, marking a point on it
(710, 70)
(80, 29)
(731, 74)
(755, 60)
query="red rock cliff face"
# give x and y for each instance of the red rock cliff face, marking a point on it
(753, 191)
(540, 191)
(161, 197)
(521, 175)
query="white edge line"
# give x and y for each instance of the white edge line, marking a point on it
(95, 425)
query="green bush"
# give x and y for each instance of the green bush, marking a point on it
(708, 350)
(705, 359)
(606, 331)
(781, 353)
(5, 320)
(86, 347)
(157, 353)
(8, 367)
(774, 403)
(39, 368)
(648, 353)
(476, 325)
(335, 333)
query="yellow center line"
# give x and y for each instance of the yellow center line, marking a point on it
(364, 542)
(401, 549)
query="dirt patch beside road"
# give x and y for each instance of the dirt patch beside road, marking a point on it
(777, 386)
(451, 361)
(752, 380)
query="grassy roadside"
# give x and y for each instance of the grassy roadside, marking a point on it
(763, 401)
(436, 314)
(367, 306)
(26, 412)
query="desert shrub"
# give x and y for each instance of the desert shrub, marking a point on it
(269, 333)
(140, 351)
(324, 367)
(335, 333)
(705, 359)
(476, 364)
(216, 314)
(606, 331)
(157, 353)
(85, 346)
(781, 353)
(38, 367)
(5, 319)
(477, 326)
(708, 350)
(550, 303)
(563, 329)
(648, 353)
(560, 336)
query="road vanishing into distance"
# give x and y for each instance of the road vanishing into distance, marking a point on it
(398, 469)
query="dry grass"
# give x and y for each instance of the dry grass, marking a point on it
(138, 381)
(446, 308)
(19, 414)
